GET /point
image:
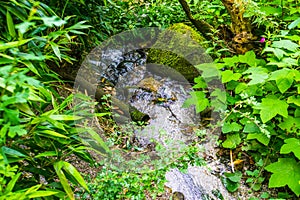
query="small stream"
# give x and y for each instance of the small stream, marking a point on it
(170, 129)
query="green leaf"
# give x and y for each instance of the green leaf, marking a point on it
(10, 186)
(251, 127)
(79, 25)
(258, 75)
(72, 171)
(10, 25)
(9, 45)
(16, 130)
(24, 26)
(47, 153)
(232, 141)
(286, 44)
(53, 21)
(290, 124)
(65, 117)
(231, 180)
(228, 75)
(294, 99)
(200, 83)
(56, 50)
(231, 127)
(284, 78)
(262, 138)
(41, 193)
(63, 180)
(198, 98)
(292, 145)
(270, 107)
(249, 58)
(285, 172)
(51, 133)
(11, 152)
(277, 52)
(294, 23)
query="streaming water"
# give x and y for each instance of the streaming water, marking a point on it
(170, 124)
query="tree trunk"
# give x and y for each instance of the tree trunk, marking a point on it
(242, 40)
(240, 26)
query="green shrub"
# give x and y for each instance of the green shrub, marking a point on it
(37, 126)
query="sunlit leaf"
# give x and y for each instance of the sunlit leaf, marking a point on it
(291, 145)
(285, 172)
(10, 25)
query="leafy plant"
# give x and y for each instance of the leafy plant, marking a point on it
(37, 126)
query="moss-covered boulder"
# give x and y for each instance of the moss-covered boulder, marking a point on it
(178, 47)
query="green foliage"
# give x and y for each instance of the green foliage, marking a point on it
(232, 180)
(285, 172)
(37, 126)
(264, 107)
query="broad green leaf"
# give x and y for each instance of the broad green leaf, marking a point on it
(294, 23)
(291, 145)
(17, 130)
(218, 100)
(232, 141)
(209, 71)
(286, 44)
(231, 61)
(63, 179)
(285, 172)
(79, 25)
(198, 98)
(258, 75)
(277, 52)
(200, 83)
(72, 171)
(294, 99)
(228, 75)
(249, 58)
(270, 107)
(53, 21)
(231, 127)
(10, 25)
(284, 78)
(24, 26)
(251, 127)
(262, 138)
(290, 124)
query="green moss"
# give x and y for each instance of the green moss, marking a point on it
(178, 48)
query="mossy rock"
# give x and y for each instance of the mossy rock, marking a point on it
(178, 47)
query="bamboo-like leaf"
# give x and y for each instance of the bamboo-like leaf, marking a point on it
(65, 117)
(51, 133)
(72, 171)
(63, 180)
(10, 25)
(10, 186)
(9, 45)
(47, 153)
(42, 193)
(56, 50)
(31, 67)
